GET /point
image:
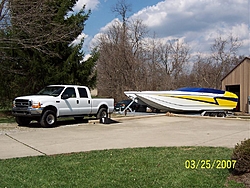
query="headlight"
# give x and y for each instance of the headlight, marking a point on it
(14, 103)
(36, 104)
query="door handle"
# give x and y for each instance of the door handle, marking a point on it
(89, 101)
(77, 101)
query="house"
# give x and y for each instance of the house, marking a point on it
(238, 82)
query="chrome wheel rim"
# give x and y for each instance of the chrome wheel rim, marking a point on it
(104, 114)
(50, 119)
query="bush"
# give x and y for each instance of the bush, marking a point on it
(241, 154)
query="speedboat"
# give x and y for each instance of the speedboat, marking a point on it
(186, 99)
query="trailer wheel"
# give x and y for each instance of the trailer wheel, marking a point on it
(48, 119)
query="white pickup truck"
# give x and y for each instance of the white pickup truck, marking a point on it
(56, 101)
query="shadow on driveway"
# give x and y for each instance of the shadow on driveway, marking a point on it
(69, 122)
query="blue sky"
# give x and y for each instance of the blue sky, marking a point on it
(195, 22)
(102, 14)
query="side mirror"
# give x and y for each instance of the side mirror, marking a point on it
(65, 96)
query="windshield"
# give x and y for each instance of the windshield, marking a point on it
(51, 90)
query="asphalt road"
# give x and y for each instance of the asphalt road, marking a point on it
(138, 132)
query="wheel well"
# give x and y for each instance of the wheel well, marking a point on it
(103, 106)
(50, 108)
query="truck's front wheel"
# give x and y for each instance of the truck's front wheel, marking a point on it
(48, 119)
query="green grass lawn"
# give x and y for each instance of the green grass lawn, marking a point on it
(141, 167)
(8, 119)
(6, 116)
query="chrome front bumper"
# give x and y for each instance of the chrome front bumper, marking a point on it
(28, 112)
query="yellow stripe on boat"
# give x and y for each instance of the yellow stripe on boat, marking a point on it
(197, 98)
(204, 99)
(230, 94)
(227, 103)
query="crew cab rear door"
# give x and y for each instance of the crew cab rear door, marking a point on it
(85, 101)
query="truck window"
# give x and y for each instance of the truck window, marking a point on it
(71, 92)
(51, 90)
(83, 93)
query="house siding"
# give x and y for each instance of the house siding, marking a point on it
(240, 75)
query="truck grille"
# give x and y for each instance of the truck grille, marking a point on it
(22, 103)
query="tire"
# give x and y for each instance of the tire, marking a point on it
(102, 113)
(48, 119)
(23, 121)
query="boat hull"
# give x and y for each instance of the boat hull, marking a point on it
(179, 101)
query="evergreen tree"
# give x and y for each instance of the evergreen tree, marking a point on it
(36, 61)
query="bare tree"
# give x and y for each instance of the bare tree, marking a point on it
(137, 31)
(138, 63)
(122, 8)
(173, 58)
(119, 66)
(203, 73)
(34, 24)
(209, 70)
(224, 56)
(154, 79)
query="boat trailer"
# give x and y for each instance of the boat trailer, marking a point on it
(214, 113)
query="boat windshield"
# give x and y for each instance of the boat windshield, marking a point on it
(51, 90)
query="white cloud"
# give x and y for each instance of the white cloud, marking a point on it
(95, 40)
(86, 57)
(173, 17)
(110, 24)
(79, 39)
(90, 4)
(199, 22)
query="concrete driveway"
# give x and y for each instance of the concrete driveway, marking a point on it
(140, 132)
